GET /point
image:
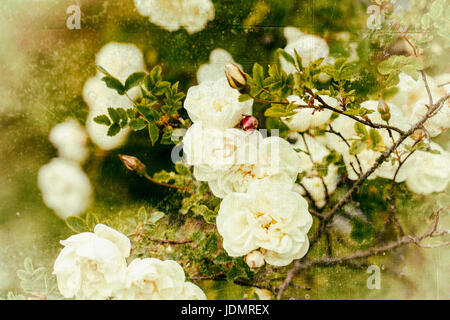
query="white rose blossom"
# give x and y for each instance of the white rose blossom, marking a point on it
(431, 171)
(215, 68)
(70, 138)
(65, 187)
(269, 217)
(174, 14)
(314, 152)
(92, 265)
(216, 104)
(306, 118)
(153, 279)
(120, 60)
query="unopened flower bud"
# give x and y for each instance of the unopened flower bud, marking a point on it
(384, 110)
(254, 259)
(249, 123)
(132, 164)
(236, 78)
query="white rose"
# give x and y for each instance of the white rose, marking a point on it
(216, 104)
(435, 125)
(65, 187)
(153, 279)
(70, 139)
(192, 292)
(213, 151)
(312, 183)
(431, 172)
(215, 68)
(171, 15)
(275, 159)
(306, 118)
(269, 217)
(254, 259)
(92, 265)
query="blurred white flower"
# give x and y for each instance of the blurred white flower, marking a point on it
(309, 48)
(120, 60)
(215, 68)
(216, 105)
(306, 118)
(71, 140)
(92, 265)
(255, 259)
(65, 187)
(311, 155)
(431, 172)
(269, 217)
(412, 98)
(153, 279)
(174, 14)
(367, 157)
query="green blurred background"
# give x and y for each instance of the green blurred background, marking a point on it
(43, 67)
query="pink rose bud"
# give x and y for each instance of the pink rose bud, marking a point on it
(249, 123)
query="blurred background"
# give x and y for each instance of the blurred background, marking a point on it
(44, 65)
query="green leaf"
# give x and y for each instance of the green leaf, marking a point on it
(286, 56)
(134, 79)
(138, 124)
(258, 74)
(182, 169)
(155, 74)
(102, 119)
(360, 129)
(115, 84)
(156, 216)
(114, 115)
(153, 132)
(375, 137)
(76, 224)
(148, 113)
(356, 147)
(91, 221)
(205, 212)
(298, 60)
(113, 130)
(244, 97)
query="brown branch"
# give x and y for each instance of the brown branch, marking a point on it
(327, 216)
(327, 261)
(165, 241)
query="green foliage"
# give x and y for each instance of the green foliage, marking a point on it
(156, 110)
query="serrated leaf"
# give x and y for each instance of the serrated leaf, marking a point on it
(138, 124)
(205, 212)
(114, 115)
(102, 119)
(153, 132)
(134, 79)
(360, 129)
(258, 74)
(148, 113)
(115, 84)
(113, 130)
(375, 138)
(76, 224)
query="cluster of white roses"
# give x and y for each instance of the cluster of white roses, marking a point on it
(173, 14)
(94, 266)
(260, 215)
(65, 187)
